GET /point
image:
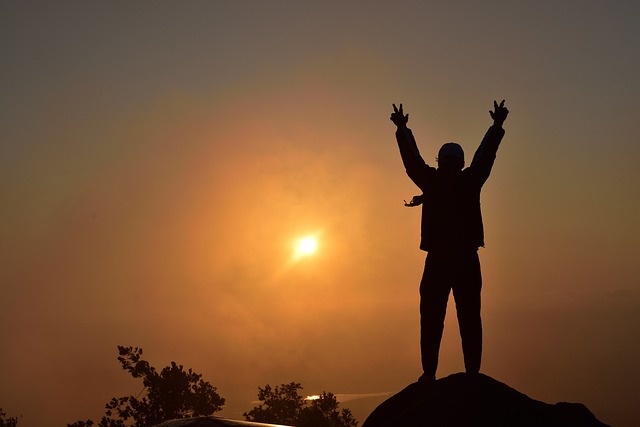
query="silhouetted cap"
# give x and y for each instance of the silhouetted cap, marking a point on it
(451, 150)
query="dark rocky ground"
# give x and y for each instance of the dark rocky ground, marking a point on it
(474, 400)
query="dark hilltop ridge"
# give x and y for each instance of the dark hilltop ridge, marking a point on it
(474, 401)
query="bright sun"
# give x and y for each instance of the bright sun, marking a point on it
(306, 246)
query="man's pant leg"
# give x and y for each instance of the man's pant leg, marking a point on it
(434, 293)
(466, 292)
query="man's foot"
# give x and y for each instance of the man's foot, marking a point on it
(427, 379)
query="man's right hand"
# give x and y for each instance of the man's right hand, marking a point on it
(398, 117)
(500, 114)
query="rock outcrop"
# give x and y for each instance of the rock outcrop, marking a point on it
(474, 401)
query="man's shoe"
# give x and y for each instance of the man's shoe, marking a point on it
(427, 379)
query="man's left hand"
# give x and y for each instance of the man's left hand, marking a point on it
(398, 117)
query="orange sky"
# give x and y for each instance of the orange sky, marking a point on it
(158, 160)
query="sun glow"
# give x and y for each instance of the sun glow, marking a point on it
(305, 246)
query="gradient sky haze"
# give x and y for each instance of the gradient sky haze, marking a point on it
(159, 159)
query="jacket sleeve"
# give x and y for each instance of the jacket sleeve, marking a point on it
(486, 154)
(415, 166)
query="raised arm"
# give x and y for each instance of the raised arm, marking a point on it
(486, 153)
(500, 114)
(415, 166)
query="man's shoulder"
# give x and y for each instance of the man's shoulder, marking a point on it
(471, 177)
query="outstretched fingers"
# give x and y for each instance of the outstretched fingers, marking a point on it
(398, 117)
(500, 112)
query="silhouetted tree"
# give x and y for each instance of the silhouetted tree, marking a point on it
(280, 405)
(7, 421)
(324, 412)
(283, 405)
(170, 393)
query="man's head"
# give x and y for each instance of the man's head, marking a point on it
(451, 157)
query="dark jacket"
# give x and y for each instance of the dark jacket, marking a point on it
(451, 216)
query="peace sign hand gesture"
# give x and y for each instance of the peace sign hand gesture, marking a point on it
(398, 117)
(500, 113)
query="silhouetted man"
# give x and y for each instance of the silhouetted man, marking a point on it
(452, 232)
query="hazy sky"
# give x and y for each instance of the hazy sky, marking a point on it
(158, 159)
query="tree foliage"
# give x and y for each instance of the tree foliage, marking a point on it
(7, 421)
(280, 405)
(168, 394)
(283, 405)
(324, 412)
